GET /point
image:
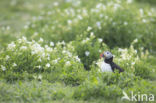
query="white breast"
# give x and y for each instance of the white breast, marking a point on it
(105, 67)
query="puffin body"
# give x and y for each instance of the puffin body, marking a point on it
(108, 65)
(105, 67)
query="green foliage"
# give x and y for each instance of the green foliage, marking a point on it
(113, 22)
(152, 2)
(5, 37)
(89, 48)
(142, 70)
(31, 57)
(30, 60)
(108, 85)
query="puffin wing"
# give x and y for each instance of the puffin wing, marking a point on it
(115, 66)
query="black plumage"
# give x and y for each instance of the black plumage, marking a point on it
(113, 65)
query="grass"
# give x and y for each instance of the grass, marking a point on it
(16, 13)
(39, 92)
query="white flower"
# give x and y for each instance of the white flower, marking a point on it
(92, 34)
(114, 23)
(100, 40)
(98, 5)
(77, 58)
(68, 63)
(149, 13)
(49, 49)
(64, 51)
(3, 67)
(153, 70)
(39, 67)
(87, 53)
(98, 24)
(47, 65)
(7, 57)
(116, 6)
(36, 33)
(24, 39)
(11, 46)
(49, 13)
(114, 56)
(56, 3)
(100, 51)
(129, 1)
(85, 12)
(55, 61)
(14, 65)
(40, 17)
(63, 43)
(133, 63)
(122, 50)
(46, 46)
(23, 47)
(8, 28)
(42, 55)
(101, 15)
(135, 41)
(20, 41)
(106, 17)
(80, 17)
(40, 60)
(41, 40)
(125, 23)
(69, 22)
(69, 54)
(26, 27)
(48, 58)
(89, 28)
(37, 49)
(40, 77)
(141, 11)
(52, 44)
(86, 40)
(144, 20)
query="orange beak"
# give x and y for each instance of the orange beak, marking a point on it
(101, 55)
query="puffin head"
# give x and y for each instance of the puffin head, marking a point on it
(107, 56)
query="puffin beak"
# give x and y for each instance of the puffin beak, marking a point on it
(101, 55)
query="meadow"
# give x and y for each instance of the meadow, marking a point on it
(50, 50)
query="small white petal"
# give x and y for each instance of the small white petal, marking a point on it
(87, 53)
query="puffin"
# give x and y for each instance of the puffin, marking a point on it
(108, 65)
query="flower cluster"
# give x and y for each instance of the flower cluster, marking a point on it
(105, 17)
(41, 57)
